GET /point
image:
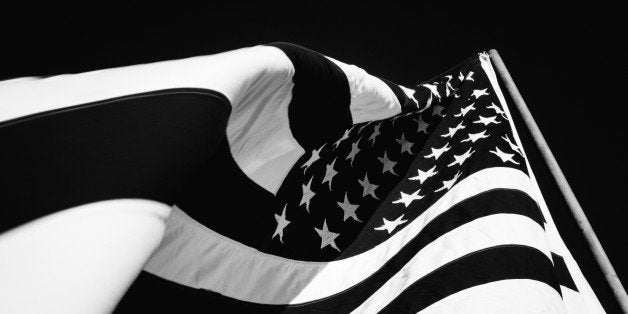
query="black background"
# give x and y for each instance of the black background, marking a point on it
(568, 62)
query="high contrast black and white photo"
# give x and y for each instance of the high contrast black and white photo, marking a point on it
(375, 160)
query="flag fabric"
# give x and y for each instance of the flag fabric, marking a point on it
(302, 184)
(432, 209)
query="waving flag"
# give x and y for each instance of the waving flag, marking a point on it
(428, 205)
(299, 183)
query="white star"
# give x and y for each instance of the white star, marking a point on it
(354, 151)
(390, 226)
(367, 187)
(512, 145)
(344, 137)
(315, 156)
(497, 110)
(452, 131)
(423, 175)
(406, 199)
(327, 237)
(465, 110)
(503, 156)
(477, 93)
(475, 136)
(448, 87)
(330, 172)
(375, 134)
(387, 164)
(447, 184)
(307, 195)
(459, 159)
(422, 127)
(487, 121)
(470, 76)
(460, 77)
(282, 222)
(348, 209)
(436, 152)
(438, 110)
(406, 146)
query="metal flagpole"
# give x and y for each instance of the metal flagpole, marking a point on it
(574, 206)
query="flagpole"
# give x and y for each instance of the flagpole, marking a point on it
(572, 202)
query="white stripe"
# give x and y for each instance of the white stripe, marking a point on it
(506, 296)
(258, 131)
(193, 255)
(371, 98)
(574, 302)
(80, 259)
(230, 73)
(482, 233)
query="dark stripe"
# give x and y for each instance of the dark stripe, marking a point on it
(562, 272)
(320, 94)
(482, 205)
(136, 146)
(213, 196)
(494, 264)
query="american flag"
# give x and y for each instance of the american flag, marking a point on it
(433, 210)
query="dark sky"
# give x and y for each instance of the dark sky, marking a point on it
(568, 63)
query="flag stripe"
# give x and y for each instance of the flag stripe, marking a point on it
(521, 296)
(505, 262)
(575, 303)
(137, 146)
(229, 73)
(564, 278)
